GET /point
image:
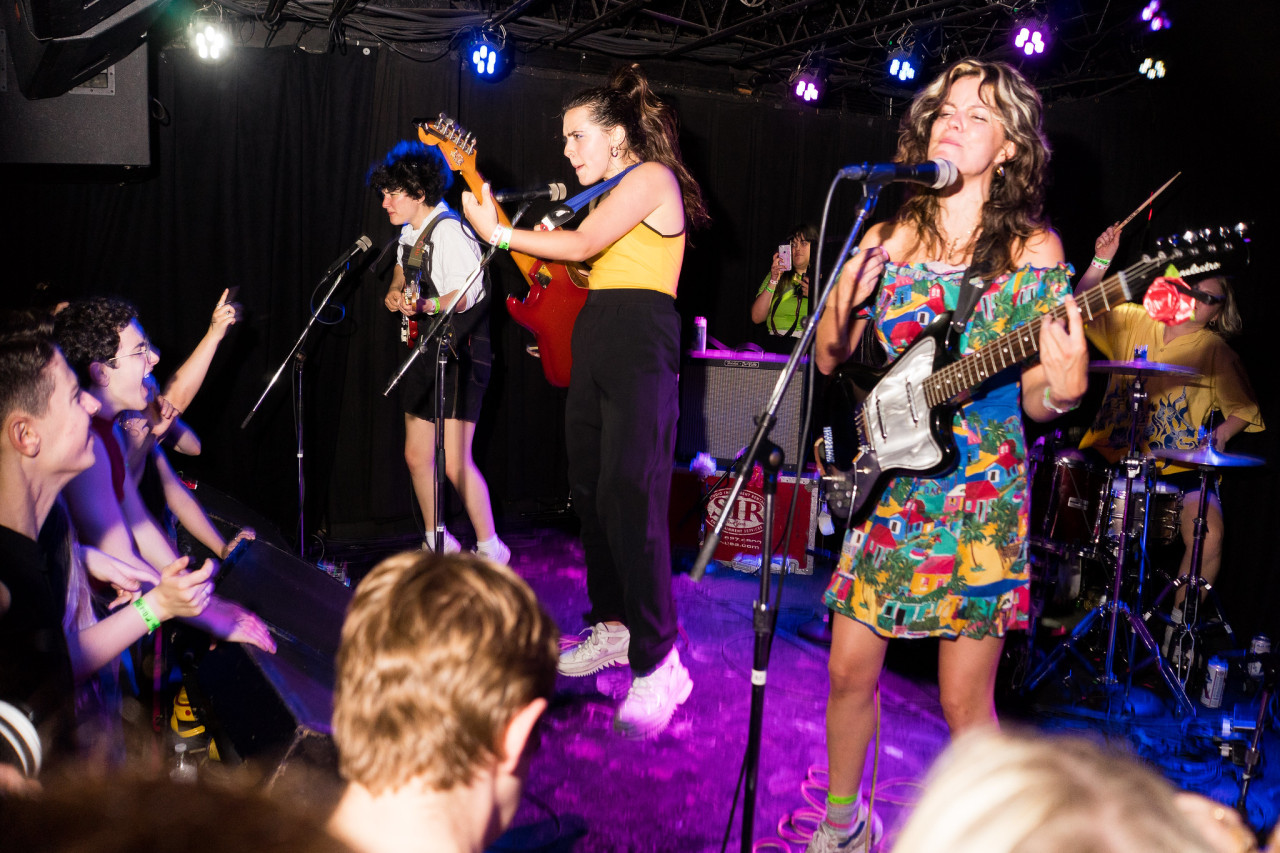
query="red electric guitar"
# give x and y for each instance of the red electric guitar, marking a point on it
(556, 291)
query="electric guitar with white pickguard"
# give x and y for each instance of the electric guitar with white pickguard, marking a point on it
(903, 426)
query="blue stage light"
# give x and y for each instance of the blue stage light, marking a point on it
(487, 55)
(903, 66)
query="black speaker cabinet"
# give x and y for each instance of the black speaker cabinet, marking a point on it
(720, 394)
(57, 45)
(275, 709)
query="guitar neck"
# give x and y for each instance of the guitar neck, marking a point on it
(1023, 342)
(475, 183)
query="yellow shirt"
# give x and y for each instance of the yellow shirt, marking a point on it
(1176, 405)
(642, 259)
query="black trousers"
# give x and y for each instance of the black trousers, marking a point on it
(620, 428)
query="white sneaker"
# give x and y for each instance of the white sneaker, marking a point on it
(653, 699)
(451, 545)
(828, 840)
(498, 552)
(606, 645)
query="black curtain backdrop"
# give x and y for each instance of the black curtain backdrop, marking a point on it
(258, 182)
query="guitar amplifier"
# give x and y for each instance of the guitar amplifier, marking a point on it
(722, 391)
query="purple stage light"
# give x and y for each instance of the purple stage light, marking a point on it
(1031, 38)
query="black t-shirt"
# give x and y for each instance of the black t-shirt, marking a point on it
(35, 665)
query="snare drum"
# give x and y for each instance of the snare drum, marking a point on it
(1165, 507)
(1065, 499)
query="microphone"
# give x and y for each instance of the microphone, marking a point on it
(935, 173)
(361, 245)
(546, 192)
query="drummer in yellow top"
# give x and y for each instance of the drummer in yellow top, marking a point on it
(1177, 406)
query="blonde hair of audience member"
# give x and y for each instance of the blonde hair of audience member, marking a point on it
(439, 655)
(996, 792)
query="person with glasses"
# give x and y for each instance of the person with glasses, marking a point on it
(782, 301)
(1178, 407)
(112, 357)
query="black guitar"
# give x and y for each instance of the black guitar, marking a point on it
(903, 426)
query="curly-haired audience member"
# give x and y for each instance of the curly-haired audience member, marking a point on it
(445, 665)
(112, 357)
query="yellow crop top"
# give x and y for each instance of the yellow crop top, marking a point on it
(642, 259)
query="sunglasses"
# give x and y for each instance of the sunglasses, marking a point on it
(1201, 295)
(1206, 297)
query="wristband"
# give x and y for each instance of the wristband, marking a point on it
(431, 306)
(504, 243)
(1051, 407)
(148, 615)
(1099, 263)
(496, 235)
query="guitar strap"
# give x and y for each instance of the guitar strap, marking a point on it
(418, 268)
(562, 213)
(970, 292)
(419, 260)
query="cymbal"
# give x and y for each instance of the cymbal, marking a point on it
(1142, 367)
(1207, 457)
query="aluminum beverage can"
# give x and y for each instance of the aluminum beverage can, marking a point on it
(1261, 645)
(1215, 683)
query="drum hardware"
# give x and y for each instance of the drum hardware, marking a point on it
(1186, 632)
(1113, 608)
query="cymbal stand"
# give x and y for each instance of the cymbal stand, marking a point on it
(1182, 646)
(1113, 608)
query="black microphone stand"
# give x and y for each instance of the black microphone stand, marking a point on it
(299, 358)
(442, 332)
(764, 619)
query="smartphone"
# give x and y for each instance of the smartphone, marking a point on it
(784, 255)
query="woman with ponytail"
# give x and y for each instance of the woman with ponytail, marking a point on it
(620, 416)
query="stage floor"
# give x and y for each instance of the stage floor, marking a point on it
(591, 790)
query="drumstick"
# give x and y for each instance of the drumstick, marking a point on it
(1150, 199)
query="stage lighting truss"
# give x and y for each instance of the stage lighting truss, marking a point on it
(207, 34)
(487, 54)
(1031, 36)
(904, 66)
(1152, 68)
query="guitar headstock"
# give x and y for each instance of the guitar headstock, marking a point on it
(1205, 253)
(458, 146)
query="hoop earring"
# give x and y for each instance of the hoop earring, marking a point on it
(1000, 171)
(613, 151)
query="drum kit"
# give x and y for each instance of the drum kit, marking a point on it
(1091, 530)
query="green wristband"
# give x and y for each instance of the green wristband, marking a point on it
(148, 615)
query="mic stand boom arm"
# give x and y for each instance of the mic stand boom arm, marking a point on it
(301, 356)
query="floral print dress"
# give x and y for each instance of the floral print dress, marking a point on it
(947, 556)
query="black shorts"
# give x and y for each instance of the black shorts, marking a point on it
(465, 379)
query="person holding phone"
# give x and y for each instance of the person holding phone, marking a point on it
(782, 302)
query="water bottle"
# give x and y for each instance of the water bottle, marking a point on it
(184, 769)
(699, 334)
